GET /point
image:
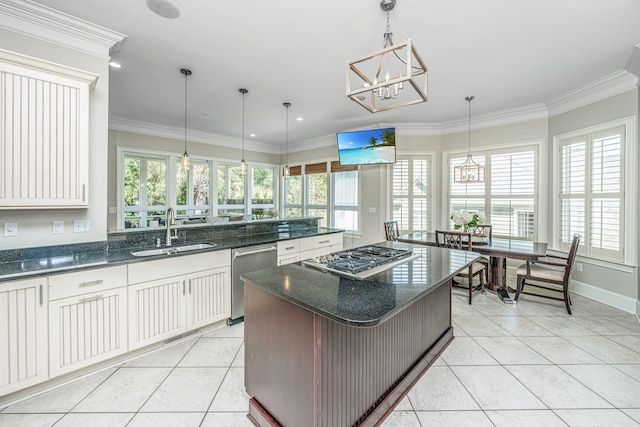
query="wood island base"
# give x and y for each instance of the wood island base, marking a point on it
(303, 369)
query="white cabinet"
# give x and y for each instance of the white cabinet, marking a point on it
(87, 318)
(172, 296)
(23, 334)
(288, 251)
(44, 133)
(320, 245)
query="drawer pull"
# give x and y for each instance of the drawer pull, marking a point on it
(97, 297)
(288, 248)
(324, 241)
(41, 295)
(93, 283)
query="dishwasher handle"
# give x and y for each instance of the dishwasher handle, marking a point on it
(257, 251)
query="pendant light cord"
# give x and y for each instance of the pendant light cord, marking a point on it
(469, 98)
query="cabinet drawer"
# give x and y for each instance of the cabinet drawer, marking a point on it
(89, 281)
(287, 247)
(316, 242)
(178, 265)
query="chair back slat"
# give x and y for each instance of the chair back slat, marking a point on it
(454, 240)
(391, 230)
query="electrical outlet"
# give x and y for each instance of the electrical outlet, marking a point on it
(58, 227)
(81, 226)
(579, 266)
(10, 229)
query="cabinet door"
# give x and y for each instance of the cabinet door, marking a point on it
(208, 297)
(87, 329)
(156, 311)
(47, 105)
(23, 334)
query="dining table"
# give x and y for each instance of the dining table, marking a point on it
(497, 248)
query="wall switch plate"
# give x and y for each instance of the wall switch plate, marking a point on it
(372, 210)
(579, 266)
(10, 229)
(58, 227)
(81, 225)
(113, 209)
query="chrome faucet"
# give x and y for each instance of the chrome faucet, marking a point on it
(171, 220)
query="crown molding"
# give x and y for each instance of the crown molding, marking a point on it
(510, 116)
(633, 64)
(162, 131)
(32, 19)
(606, 87)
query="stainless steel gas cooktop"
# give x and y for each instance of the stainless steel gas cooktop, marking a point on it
(361, 262)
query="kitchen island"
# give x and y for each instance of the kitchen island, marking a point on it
(322, 349)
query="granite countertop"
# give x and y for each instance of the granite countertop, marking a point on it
(369, 301)
(25, 263)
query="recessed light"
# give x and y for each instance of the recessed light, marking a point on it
(115, 64)
(253, 135)
(163, 8)
(299, 119)
(206, 113)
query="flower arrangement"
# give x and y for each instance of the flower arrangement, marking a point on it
(466, 220)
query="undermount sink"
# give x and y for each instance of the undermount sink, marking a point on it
(173, 250)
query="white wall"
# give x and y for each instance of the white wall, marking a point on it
(35, 227)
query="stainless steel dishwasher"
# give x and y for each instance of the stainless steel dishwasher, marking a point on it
(246, 260)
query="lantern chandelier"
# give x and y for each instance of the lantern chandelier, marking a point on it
(393, 77)
(469, 171)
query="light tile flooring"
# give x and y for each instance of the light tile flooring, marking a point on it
(528, 364)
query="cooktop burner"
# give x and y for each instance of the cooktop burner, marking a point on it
(357, 260)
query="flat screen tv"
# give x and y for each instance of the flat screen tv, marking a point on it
(367, 147)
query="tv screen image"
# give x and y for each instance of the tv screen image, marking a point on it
(367, 147)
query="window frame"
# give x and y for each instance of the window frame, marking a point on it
(539, 201)
(429, 197)
(629, 178)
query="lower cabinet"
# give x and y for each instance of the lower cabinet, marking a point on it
(164, 307)
(311, 247)
(23, 334)
(87, 318)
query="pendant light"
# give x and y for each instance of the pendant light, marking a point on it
(243, 164)
(286, 172)
(185, 157)
(469, 171)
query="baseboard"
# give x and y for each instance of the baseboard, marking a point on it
(621, 302)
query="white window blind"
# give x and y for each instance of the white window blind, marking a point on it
(411, 187)
(592, 192)
(507, 197)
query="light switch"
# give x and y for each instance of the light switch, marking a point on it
(113, 209)
(372, 210)
(81, 226)
(10, 229)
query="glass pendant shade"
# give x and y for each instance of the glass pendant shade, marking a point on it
(243, 164)
(185, 162)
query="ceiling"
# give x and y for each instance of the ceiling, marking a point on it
(507, 53)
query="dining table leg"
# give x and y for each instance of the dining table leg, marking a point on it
(498, 278)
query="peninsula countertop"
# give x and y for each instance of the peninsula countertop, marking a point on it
(366, 302)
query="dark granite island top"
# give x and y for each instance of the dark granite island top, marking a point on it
(327, 350)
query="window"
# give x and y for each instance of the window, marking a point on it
(331, 196)
(230, 190)
(411, 187)
(316, 192)
(192, 189)
(507, 197)
(344, 197)
(292, 199)
(263, 188)
(591, 186)
(144, 189)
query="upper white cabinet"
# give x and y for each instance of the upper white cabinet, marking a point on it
(44, 133)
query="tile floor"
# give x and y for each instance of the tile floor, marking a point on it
(528, 364)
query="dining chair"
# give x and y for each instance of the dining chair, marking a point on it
(550, 273)
(462, 241)
(391, 230)
(485, 230)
